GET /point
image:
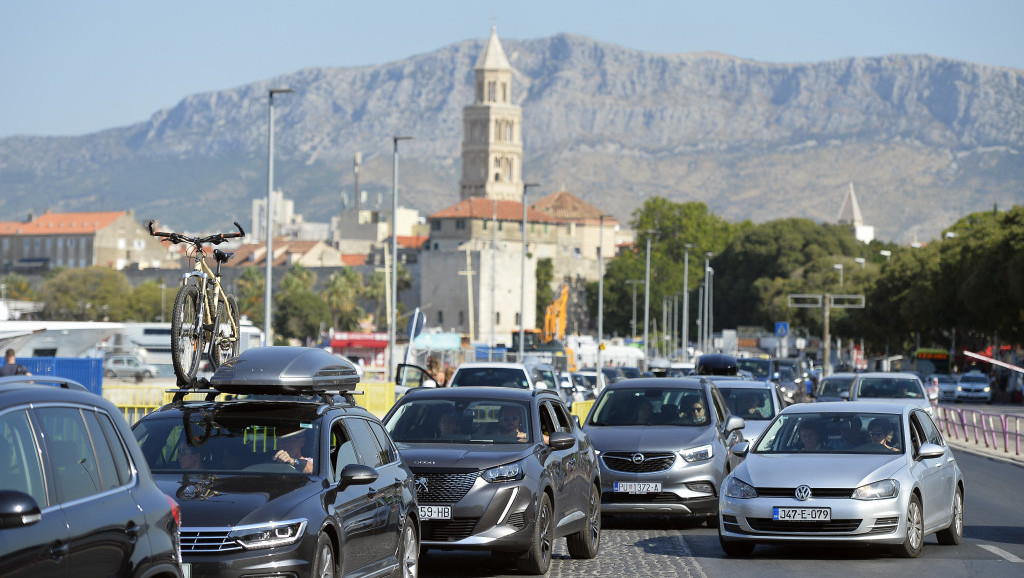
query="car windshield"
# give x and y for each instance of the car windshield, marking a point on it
(459, 420)
(636, 406)
(490, 376)
(759, 368)
(225, 442)
(748, 403)
(889, 387)
(834, 386)
(833, 433)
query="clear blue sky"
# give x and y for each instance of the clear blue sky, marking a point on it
(74, 67)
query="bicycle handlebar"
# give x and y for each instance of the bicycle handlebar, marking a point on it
(215, 239)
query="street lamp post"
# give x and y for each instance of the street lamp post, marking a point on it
(268, 335)
(393, 306)
(706, 304)
(522, 280)
(685, 341)
(600, 291)
(632, 323)
(647, 299)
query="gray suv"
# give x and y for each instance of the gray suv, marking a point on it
(663, 446)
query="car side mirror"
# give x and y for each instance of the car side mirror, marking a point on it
(929, 451)
(740, 449)
(845, 395)
(734, 423)
(560, 440)
(18, 509)
(357, 475)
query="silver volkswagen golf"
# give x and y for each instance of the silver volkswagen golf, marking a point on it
(870, 472)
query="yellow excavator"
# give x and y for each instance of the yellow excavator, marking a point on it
(548, 343)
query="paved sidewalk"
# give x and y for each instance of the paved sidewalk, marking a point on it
(980, 449)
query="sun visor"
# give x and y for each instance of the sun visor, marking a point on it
(285, 370)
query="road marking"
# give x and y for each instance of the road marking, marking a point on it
(1002, 553)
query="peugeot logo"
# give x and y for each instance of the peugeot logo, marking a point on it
(802, 492)
(638, 458)
(421, 485)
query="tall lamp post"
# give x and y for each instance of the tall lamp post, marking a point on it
(647, 298)
(600, 291)
(686, 301)
(268, 335)
(522, 277)
(706, 305)
(632, 323)
(393, 313)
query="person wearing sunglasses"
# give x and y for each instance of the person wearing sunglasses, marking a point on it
(508, 429)
(189, 457)
(881, 431)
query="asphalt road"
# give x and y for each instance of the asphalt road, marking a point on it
(993, 544)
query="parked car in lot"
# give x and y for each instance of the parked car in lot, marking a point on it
(76, 495)
(663, 446)
(279, 472)
(896, 388)
(757, 402)
(500, 470)
(128, 366)
(865, 473)
(832, 387)
(973, 386)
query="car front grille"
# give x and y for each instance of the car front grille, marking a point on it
(443, 488)
(815, 492)
(833, 526)
(447, 530)
(653, 498)
(652, 462)
(207, 541)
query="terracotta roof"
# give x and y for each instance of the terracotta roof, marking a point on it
(412, 241)
(566, 206)
(282, 248)
(353, 260)
(484, 208)
(62, 223)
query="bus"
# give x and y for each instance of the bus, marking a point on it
(931, 360)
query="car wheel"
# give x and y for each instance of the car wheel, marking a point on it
(911, 546)
(408, 551)
(537, 559)
(147, 374)
(110, 373)
(323, 564)
(583, 545)
(952, 534)
(735, 548)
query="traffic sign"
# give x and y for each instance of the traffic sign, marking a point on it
(781, 329)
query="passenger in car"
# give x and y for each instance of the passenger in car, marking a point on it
(811, 435)
(508, 425)
(882, 431)
(189, 457)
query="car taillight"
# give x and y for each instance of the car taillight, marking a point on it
(175, 510)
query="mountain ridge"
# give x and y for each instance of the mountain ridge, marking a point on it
(924, 139)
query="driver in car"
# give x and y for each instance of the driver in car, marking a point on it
(290, 451)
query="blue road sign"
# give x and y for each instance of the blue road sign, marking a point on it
(781, 329)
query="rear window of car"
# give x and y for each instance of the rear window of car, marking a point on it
(885, 387)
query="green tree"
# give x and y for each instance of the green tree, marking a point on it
(91, 294)
(545, 294)
(18, 288)
(299, 314)
(249, 292)
(144, 303)
(341, 292)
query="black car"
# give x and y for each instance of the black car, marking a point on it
(500, 469)
(76, 496)
(280, 473)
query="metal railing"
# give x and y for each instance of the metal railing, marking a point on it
(995, 431)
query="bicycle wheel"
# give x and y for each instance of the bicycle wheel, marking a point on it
(225, 332)
(186, 327)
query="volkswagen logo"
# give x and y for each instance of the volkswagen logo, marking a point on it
(421, 485)
(638, 458)
(802, 492)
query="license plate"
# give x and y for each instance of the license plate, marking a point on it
(186, 570)
(802, 514)
(637, 487)
(435, 512)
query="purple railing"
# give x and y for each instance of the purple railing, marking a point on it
(993, 430)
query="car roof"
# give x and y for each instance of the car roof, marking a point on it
(888, 374)
(497, 393)
(847, 407)
(658, 382)
(495, 364)
(20, 389)
(741, 383)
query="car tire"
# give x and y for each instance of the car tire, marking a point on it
(914, 542)
(952, 534)
(408, 551)
(537, 559)
(584, 545)
(109, 373)
(735, 548)
(147, 374)
(324, 565)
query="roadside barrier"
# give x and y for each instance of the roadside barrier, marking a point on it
(995, 431)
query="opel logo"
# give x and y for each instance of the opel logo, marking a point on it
(638, 458)
(421, 485)
(803, 492)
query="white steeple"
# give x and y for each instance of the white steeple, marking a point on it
(849, 214)
(492, 143)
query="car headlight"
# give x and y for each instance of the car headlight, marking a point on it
(505, 473)
(697, 454)
(738, 489)
(877, 491)
(268, 535)
(987, 389)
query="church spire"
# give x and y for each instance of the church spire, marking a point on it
(492, 144)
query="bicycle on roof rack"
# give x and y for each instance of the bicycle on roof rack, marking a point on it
(204, 317)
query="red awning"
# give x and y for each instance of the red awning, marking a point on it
(367, 342)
